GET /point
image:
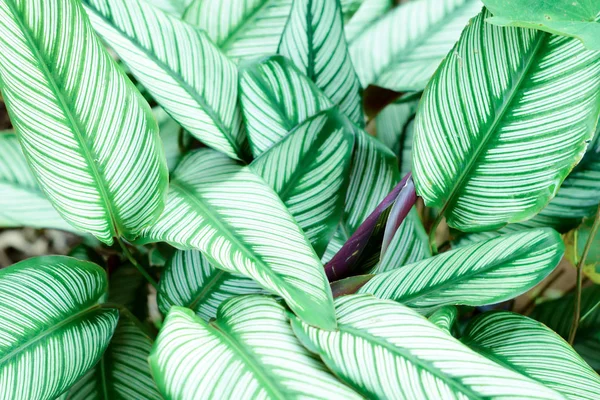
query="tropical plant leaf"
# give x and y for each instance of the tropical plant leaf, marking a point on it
(129, 288)
(386, 350)
(531, 349)
(22, 202)
(395, 128)
(483, 273)
(241, 226)
(171, 135)
(309, 170)
(92, 144)
(314, 41)
(190, 281)
(253, 30)
(583, 235)
(276, 97)
(366, 14)
(499, 153)
(248, 352)
(179, 65)
(173, 7)
(123, 371)
(334, 245)
(53, 329)
(402, 50)
(444, 318)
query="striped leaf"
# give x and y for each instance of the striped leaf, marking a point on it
(253, 30)
(500, 127)
(122, 372)
(179, 65)
(173, 7)
(364, 16)
(402, 50)
(92, 144)
(386, 350)
(531, 349)
(22, 202)
(190, 281)
(484, 273)
(444, 318)
(241, 226)
(170, 132)
(248, 352)
(275, 97)
(53, 329)
(309, 170)
(314, 41)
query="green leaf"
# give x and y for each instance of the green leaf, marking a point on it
(173, 7)
(253, 30)
(92, 142)
(531, 349)
(309, 170)
(386, 350)
(314, 41)
(123, 371)
(583, 234)
(484, 273)
(53, 329)
(22, 202)
(402, 50)
(179, 65)
(170, 133)
(444, 318)
(241, 226)
(190, 281)
(275, 97)
(578, 19)
(129, 288)
(248, 352)
(366, 14)
(499, 127)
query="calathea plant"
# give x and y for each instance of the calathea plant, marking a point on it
(301, 199)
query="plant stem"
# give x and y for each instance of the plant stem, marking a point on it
(580, 264)
(133, 261)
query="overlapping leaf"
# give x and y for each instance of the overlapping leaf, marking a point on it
(501, 125)
(386, 350)
(248, 352)
(92, 142)
(531, 349)
(241, 226)
(395, 129)
(174, 7)
(444, 318)
(366, 14)
(314, 41)
(242, 28)
(170, 135)
(53, 329)
(402, 50)
(483, 273)
(179, 65)
(190, 281)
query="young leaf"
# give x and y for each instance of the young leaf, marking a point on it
(179, 65)
(531, 349)
(276, 97)
(248, 352)
(484, 273)
(309, 170)
(364, 16)
(253, 30)
(499, 127)
(123, 371)
(386, 350)
(22, 202)
(241, 226)
(190, 281)
(402, 50)
(314, 41)
(53, 329)
(444, 318)
(578, 19)
(92, 142)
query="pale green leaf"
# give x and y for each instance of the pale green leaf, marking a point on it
(531, 349)
(248, 352)
(190, 281)
(444, 318)
(170, 135)
(53, 329)
(174, 7)
(243, 29)
(395, 128)
(241, 226)
(309, 170)
(314, 41)
(386, 350)
(179, 65)
(364, 16)
(500, 126)
(402, 50)
(484, 273)
(87, 133)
